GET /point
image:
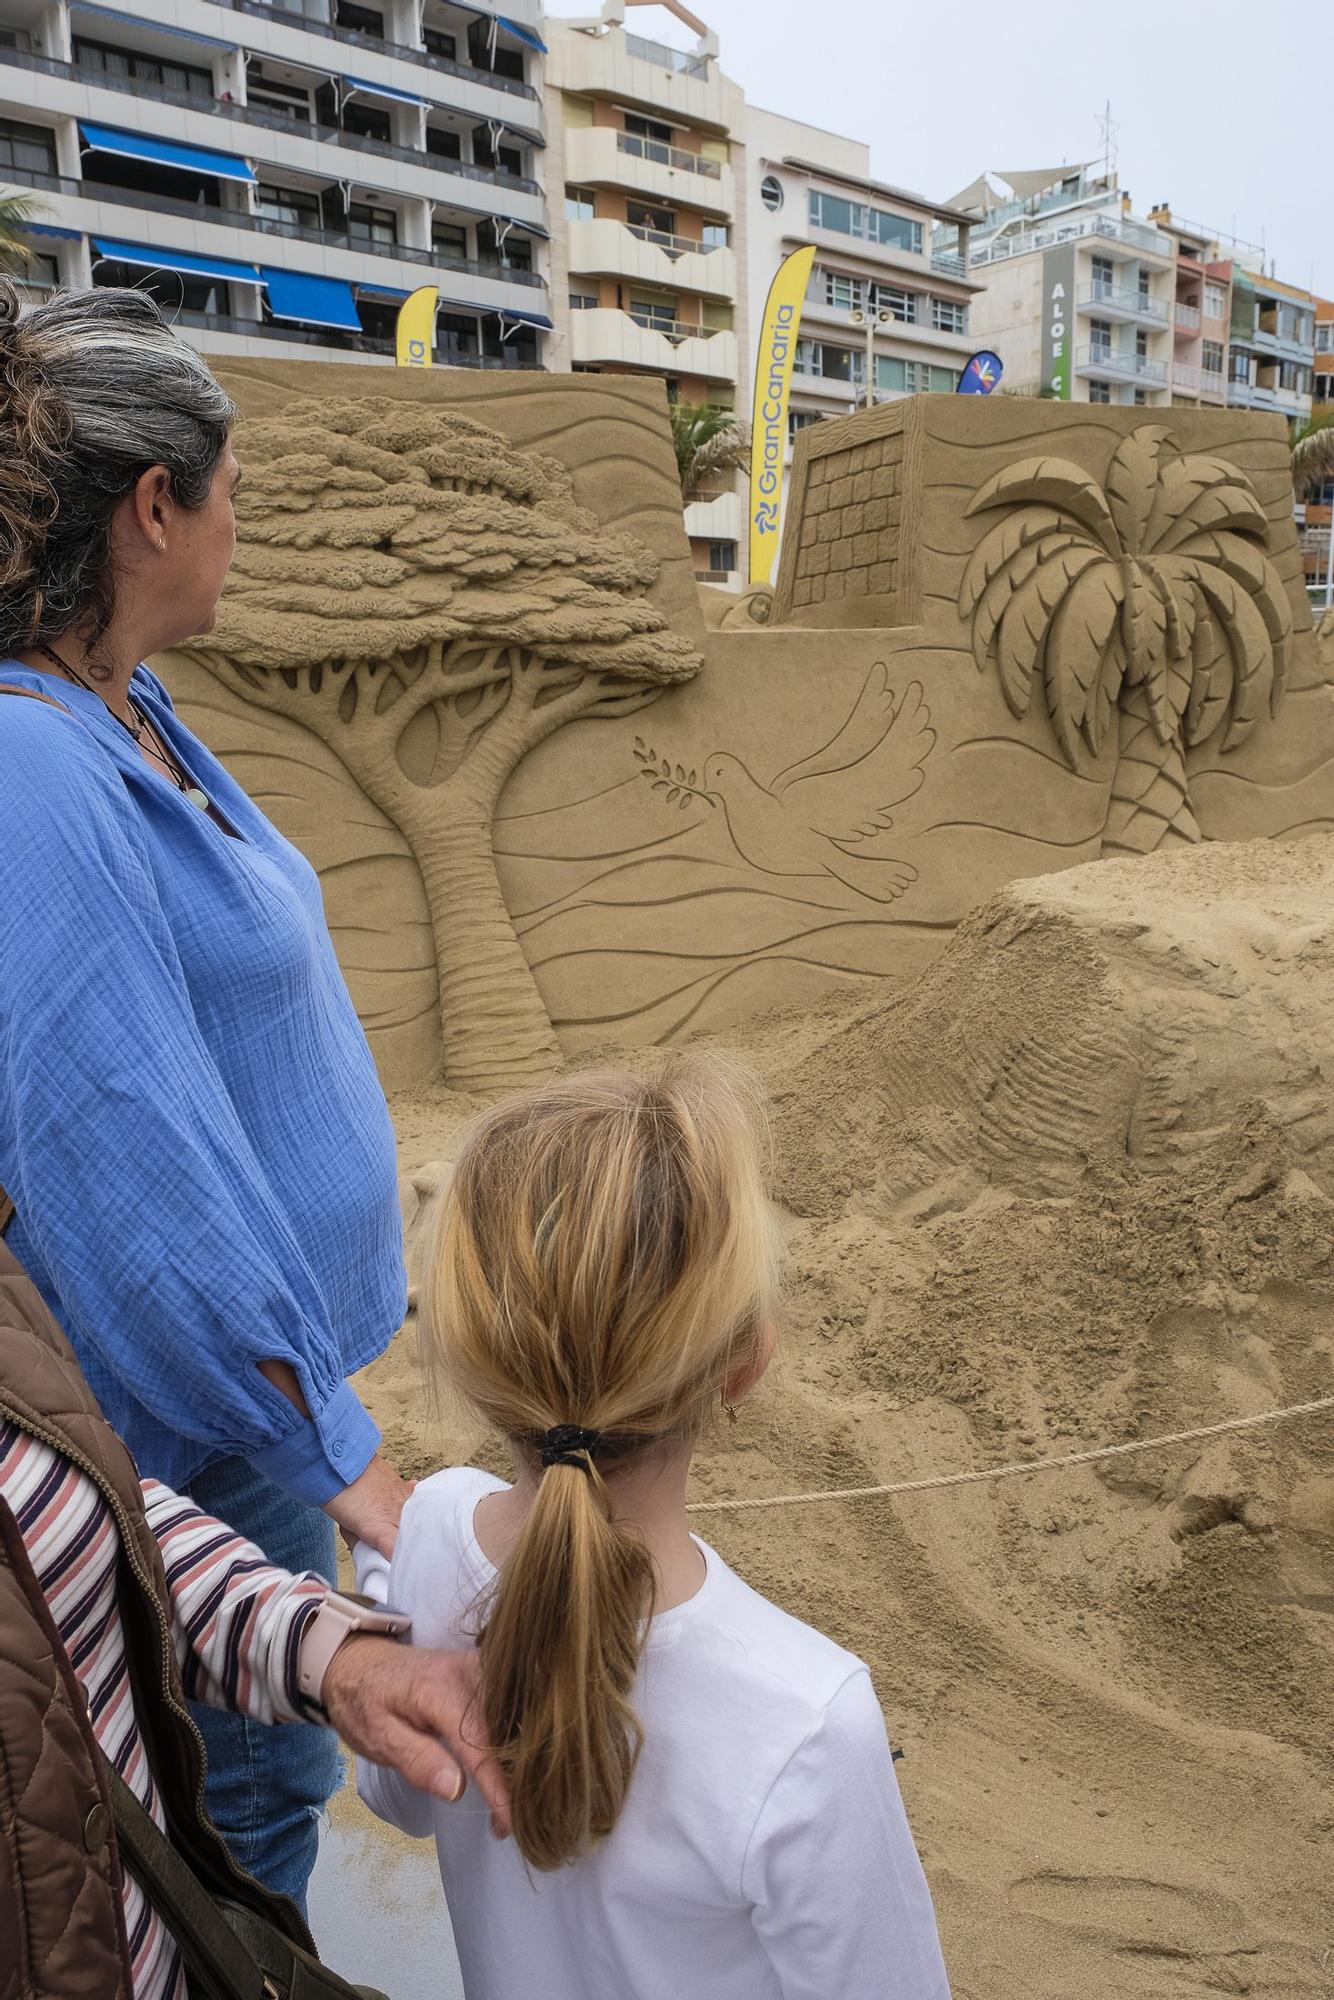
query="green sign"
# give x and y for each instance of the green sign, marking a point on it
(1058, 321)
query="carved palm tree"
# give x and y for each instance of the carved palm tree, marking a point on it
(1151, 600)
(433, 603)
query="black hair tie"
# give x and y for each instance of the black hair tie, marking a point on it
(569, 1444)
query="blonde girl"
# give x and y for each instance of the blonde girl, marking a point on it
(704, 1802)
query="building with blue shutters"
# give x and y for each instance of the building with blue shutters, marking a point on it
(282, 173)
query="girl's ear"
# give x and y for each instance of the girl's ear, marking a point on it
(743, 1379)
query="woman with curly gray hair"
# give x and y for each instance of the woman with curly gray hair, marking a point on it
(193, 1138)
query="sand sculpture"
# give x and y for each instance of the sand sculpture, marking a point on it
(1072, 1184)
(1006, 637)
(1056, 1145)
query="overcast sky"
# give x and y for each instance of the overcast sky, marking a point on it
(1217, 107)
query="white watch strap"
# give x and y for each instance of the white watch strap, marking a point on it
(336, 1621)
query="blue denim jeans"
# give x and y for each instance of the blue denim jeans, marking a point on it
(268, 1784)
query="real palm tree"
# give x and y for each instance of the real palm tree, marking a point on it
(16, 213)
(1151, 601)
(1313, 453)
(709, 441)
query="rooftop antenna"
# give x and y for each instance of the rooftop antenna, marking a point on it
(1110, 130)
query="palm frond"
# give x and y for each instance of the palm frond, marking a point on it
(16, 213)
(708, 440)
(1313, 454)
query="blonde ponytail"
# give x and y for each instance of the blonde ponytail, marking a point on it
(559, 1653)
(605, 1259)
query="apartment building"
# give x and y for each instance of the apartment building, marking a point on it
(884, 315)
(1316, 514)
(282, 173)
(647, 140)
(1080, 293)
(1271, 351)
(1322, 388)
(1201, 312)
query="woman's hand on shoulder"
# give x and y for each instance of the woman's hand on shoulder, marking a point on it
(369, 1510)
(411, 1708)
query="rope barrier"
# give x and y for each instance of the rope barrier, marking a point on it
(1014, 1470)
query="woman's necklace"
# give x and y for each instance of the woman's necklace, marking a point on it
(151, 745)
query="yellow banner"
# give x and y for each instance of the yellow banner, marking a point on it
(773, 374)
(416, 328)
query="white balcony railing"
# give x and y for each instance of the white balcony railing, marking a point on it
(668, 156)
(658, 53)
(1122, 302)
(1188, 316)
(1122, 364)
(1112, 228)
(675, 246)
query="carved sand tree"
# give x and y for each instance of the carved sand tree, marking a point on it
(433, 603)
(1152, 599)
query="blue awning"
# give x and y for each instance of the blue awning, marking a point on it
(51, 229)
(390, 292)
(524, 319)
(312, 301)
(154, 258)
(165, 152)
(124, 20)
(382, 90)
(524, 35)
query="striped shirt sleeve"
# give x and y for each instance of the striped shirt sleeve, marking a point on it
(237, 1622)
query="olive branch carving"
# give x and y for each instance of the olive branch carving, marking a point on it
(664, 776)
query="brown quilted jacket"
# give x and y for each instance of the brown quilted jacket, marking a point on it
(61, 1931)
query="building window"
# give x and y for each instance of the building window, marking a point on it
(1141, 345)
(290, 100)
(1104, 277)
(892, 374)
(1140, 396)
(450, 239)
(841, 291)
(898, 377)
(173, 291)
(38, 276)
(497, 245)
(440, 45)
(650, 221)
(713, 235)
(457, 333)
(1100, 392)
(1324, 336)
(27, 148)
(1212, 357)
(648, 128)
(855, 218)
(297, 208)
(722, 556)
(500, 159)
(367, 121)
(834, 364)
(372, 225)
(361, 20)
(800, 420)
(1240, 369)
(580, 205)
(657, 314)
(443, 143)
(108, 61)
(1142, 287)
(771, 193)
(1215, 302)
(1100, 339)
(903, 305)
(949, 316)
(583, 301)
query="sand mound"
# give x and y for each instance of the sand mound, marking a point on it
(1073, 1185)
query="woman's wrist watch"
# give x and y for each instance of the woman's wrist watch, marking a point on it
(339, 1618)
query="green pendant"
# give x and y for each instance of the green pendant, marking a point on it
(197, 798)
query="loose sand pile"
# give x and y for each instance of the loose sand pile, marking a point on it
(1074, 1185)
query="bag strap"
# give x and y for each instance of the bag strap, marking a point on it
(219, 1966)
(49, 700)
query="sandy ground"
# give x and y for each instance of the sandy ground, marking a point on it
(1073, 1185)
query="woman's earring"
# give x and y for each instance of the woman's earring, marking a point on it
(730, 1408)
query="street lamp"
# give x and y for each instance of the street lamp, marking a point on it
(881, 317)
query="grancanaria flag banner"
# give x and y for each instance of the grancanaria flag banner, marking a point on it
(416, 328)
(980, 374)
(768, 431)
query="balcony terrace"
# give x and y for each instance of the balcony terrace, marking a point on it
(1121, 303)
(1115, 364)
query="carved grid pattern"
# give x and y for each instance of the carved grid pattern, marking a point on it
(850, 524)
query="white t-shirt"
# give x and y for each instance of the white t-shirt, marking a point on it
(763, 1852)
